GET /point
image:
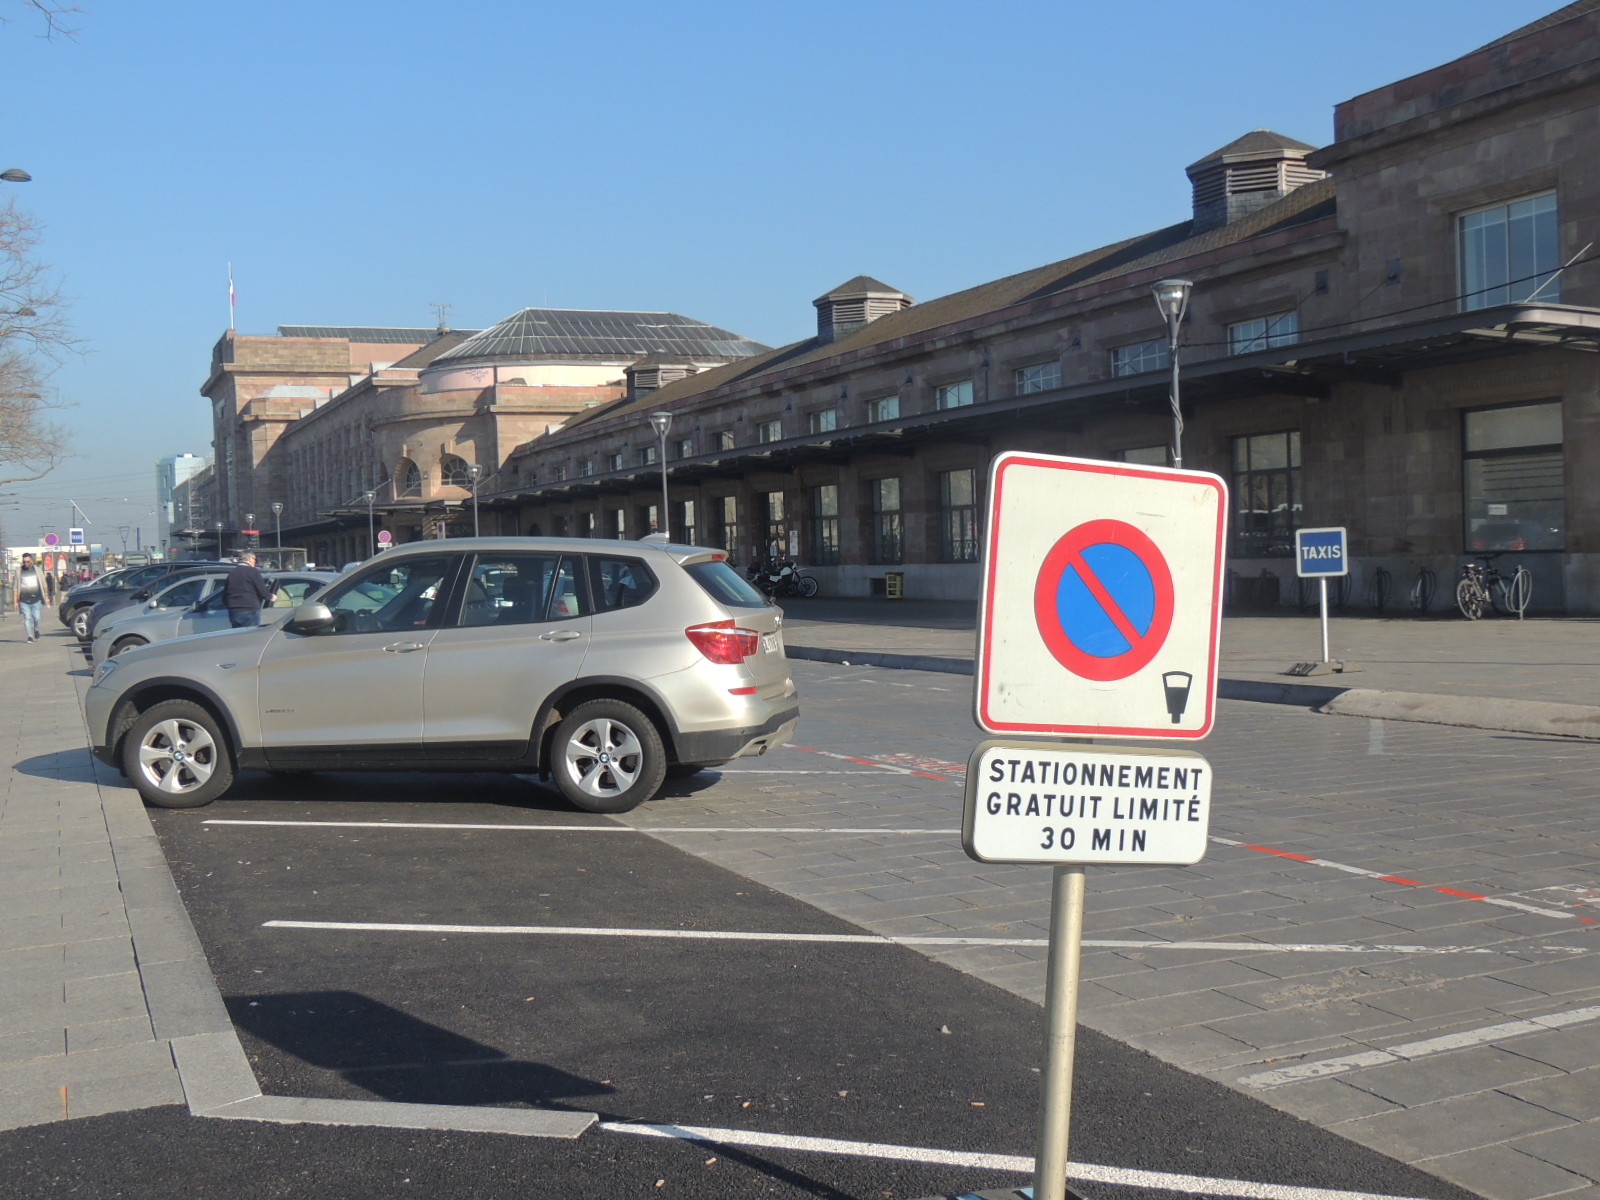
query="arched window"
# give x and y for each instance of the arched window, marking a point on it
(533, 530)
(453, 472)
(412, 476)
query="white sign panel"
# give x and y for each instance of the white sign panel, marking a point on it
(1102, 599)
(1031, 802)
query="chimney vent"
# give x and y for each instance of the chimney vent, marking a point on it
(855, 304)
(1258, 169)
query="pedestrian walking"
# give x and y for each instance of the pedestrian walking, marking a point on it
(244, 592)
(28, 588)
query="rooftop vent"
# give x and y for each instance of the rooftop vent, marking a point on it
(852, 305)
(1246, 175)
(655, 371)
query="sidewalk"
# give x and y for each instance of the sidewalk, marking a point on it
(1540, 675)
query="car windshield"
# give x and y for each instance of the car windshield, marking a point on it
(725, 584)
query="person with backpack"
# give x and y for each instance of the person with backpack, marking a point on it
(28, 588)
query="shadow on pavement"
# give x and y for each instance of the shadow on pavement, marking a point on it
(74, 765)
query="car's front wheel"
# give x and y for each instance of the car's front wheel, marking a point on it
(177, 755)
(127, 643)
(607, 757)
(80, 623)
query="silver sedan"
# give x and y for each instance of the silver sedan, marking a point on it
(195, 605)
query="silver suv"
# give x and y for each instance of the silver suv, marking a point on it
(607, 665)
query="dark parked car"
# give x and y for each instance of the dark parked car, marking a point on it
(76, 604)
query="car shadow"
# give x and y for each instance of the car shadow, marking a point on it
(74, 764)
(399, 1057)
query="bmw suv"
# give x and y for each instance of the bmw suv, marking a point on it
(605, 665)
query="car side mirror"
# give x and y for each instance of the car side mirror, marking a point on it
(143, 594)
(311, 617)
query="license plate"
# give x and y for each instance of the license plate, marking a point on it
(769, 642)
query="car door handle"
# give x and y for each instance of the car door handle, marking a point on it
(404, 647)
(560, 635)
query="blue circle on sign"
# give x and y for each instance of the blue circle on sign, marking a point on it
(1124, 576)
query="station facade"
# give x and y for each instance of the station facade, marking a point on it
(1395, 332)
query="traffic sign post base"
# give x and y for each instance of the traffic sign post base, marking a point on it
(1336, 667)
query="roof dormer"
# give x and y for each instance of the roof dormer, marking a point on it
(852, 305)
(1248, 174)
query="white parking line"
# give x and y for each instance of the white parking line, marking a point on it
(575, 828)
(1199, 1185)
(1422, 1049)
(736, 935)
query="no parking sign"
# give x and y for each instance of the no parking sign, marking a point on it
(1102, 599)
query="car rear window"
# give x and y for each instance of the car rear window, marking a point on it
(725, 585)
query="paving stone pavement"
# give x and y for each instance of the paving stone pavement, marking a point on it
(99, 966)
(1506, 817)
(1550, 659)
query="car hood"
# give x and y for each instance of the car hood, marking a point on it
(240, 645)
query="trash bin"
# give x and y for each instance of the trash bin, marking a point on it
(894, 585)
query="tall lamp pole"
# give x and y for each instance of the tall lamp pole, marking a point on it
(219, 539)
(372, 532)
(255, 536)
(1172, 298)
(475, 472)
(277, 523)
(661, 422)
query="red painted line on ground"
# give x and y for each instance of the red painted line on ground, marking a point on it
(1397, 879)
(1282, 853)
(1454, 892)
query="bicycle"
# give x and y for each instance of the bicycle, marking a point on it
(1422, 591)
(1486, 584)
(1378, 590)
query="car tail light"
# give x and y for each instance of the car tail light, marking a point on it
(722, 642)
(744, 691)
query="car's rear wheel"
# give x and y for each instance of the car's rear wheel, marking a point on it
(127, 643)
(607, 757)
(177, 755)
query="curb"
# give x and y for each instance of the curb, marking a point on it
(1543, 717)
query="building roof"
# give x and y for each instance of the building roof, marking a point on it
(1258, 141)
(567, 333)
(399, 335)
(859, 286)
(1565, 13)
(1309, 203)
(442, 344)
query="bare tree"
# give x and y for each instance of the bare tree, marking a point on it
(57, 16)
(34, 337)
(31, 445)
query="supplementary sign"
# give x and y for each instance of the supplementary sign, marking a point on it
(1032, 802)
(1101, 601)
(1320, 552)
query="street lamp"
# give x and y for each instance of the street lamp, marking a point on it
(661, 422)
(277, 522)
(250, 525)
(219, 539)
(123, 531)
(16, 175)
(372, 535)
(475, 471)
(1172, 298)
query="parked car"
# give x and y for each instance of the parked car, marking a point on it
(602, 664)
(196, 604)
(75, 606)
(122, 601)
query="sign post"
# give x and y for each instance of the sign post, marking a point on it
(1320, 554)
(1100, 618)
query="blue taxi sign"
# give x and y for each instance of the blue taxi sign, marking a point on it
(1320, 552)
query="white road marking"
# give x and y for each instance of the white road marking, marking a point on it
(1199, 1185)
(737, 935)
(576, 828)
(1375, 736)
(1385, 875)
(1411, 1050)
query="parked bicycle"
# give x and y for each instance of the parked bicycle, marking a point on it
(1422, 591)
(781, 577)
(1485, 585)
(1378, 590)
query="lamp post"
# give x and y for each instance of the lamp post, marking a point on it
(219, 539)
(475, 472)
(255, 537)
(277, 523)
(661, 422)
(372, 532)
(1172, 298)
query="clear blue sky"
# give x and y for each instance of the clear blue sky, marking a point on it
(356, 160)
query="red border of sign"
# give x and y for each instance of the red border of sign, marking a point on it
(997, 469)
(1087, 666)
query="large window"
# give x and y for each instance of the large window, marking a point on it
(725, 439)
(884, 408)
(958, 516)
(825, 524)
(824, 420)
(886, 530)
(1043, 377)
(1513, 478)
(726, 511)
(1264, 333)
(953, 395)
(686, 524)
(453, 472)
(613, 462)
(412, 476)
(769, 431)
(1509, 252)
(1266, 494)
(1139, 358)
(685, 448)
(648, 455)
(777, 528)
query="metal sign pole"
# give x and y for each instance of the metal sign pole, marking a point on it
(1324, 582)
(1061, 1036)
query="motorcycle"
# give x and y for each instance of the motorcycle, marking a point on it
(781, 577)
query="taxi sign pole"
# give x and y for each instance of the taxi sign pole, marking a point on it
(1061, 1030)
(1324, 583)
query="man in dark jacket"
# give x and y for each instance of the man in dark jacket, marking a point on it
(244, 592)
